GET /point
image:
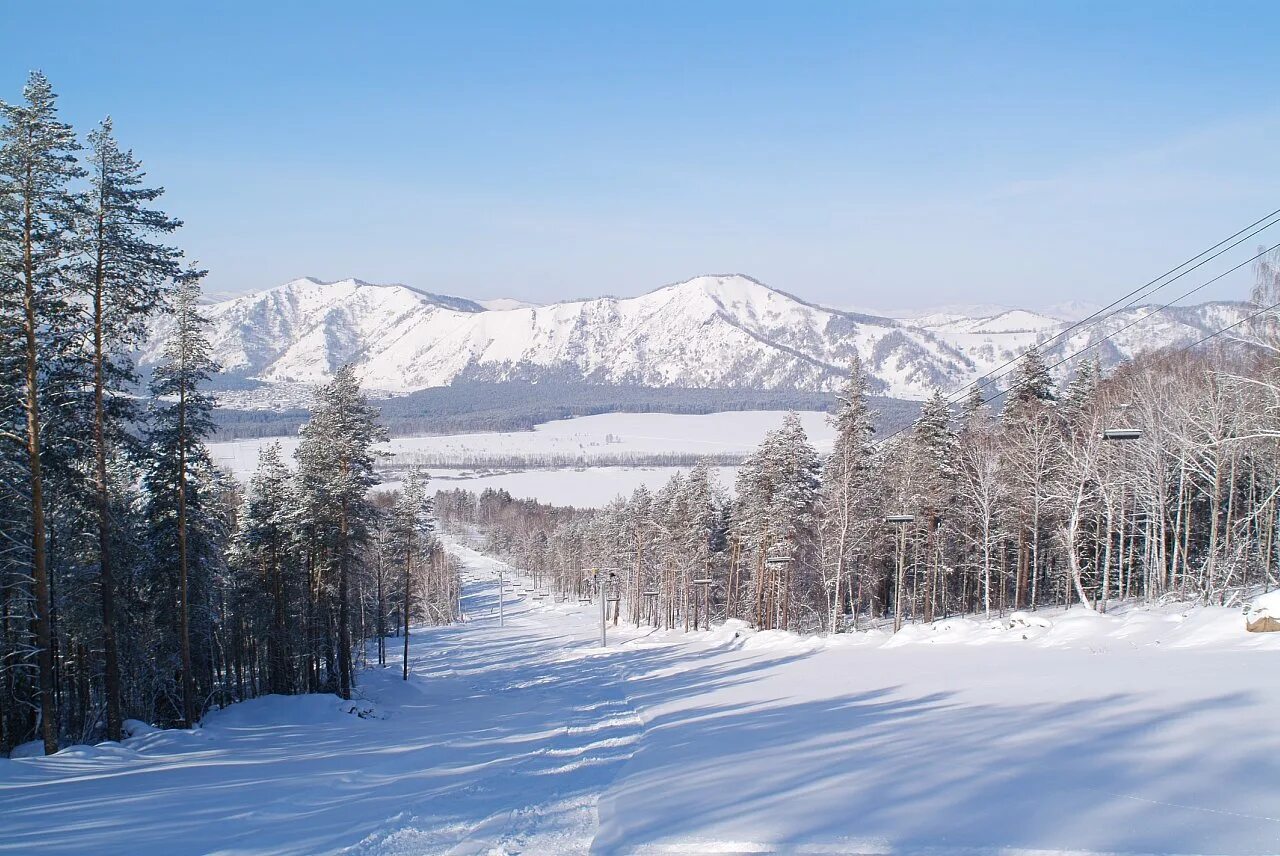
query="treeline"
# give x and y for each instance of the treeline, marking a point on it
(977, 508)
(473, 406)
(136, 580)
(556, 460)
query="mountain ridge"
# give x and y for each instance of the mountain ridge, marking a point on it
(714, 331)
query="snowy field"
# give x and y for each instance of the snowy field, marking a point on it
(1152, 731)
(589, 439)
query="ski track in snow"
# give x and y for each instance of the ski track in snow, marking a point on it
(961, 739)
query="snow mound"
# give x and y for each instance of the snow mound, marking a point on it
(1265, 604)
(138, 728)
(31, 749)
(279, 710)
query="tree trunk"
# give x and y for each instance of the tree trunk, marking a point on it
(188, 680)
(39, 553)
(344, 611)
(106, 583)
(408, 565)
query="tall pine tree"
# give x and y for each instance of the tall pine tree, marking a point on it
(179, 460)
(37, 165)
(124, 273)
(335, 467)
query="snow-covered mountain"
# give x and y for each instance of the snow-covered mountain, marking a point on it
(501, 303)
(725, 331)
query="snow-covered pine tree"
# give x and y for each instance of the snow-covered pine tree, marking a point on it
(933, 458)
(125, 274)
(975, 401)
(37, 166)
(1080, 390)
(846, 498)
(639, 531)
(413, 529)
(335, 471)
(699, 536)
(180, 472)
(778, 511)
(263, 541)
(1033, 435)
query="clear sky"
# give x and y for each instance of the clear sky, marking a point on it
(883, 155)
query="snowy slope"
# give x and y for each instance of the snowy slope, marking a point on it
(709, 332)
(502, 303)
(1062, 732)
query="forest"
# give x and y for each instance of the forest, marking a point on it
(137, 582)
(1157, 481)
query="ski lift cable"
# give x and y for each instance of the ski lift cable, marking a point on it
(1234, 240)
(1107, 337)
(1159, 309)
(1138, 294)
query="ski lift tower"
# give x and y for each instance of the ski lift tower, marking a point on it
(606, 581)
(902, 521)
(1119, 435)
(703, 587)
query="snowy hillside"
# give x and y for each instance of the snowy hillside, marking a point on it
(1150, 731)
(719, 332)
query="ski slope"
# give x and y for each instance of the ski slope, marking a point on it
(1058, 733)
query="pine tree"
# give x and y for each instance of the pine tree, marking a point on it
(412, 528)
(1032, 429)
(974, 402)
(1081, 389)
(37, 164)
(182, 417)
(124, 274)
(933, 459)
(263, 541)
(845, 483)
(1031, 383)
(335, 468)
(781, 494)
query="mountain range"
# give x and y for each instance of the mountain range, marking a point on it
(717, 332)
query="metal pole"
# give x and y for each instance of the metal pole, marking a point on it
(902, 578)
(604, 618)
(502, 620)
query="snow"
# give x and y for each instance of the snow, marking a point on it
(593, 439)
(1058, 732)
(504, 303)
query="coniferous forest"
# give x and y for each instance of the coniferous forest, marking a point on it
(137, 582)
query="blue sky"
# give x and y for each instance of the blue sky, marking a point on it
(883, 155)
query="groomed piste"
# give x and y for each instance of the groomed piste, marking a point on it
(968, 736)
